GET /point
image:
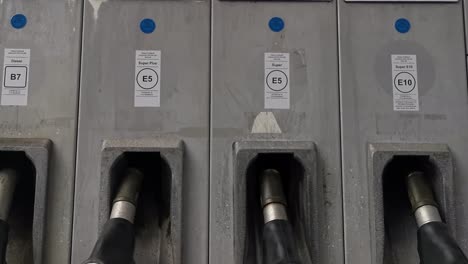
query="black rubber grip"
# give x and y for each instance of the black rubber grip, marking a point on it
(115, 244)
(4, 229)
(437, 246)
(279, 244)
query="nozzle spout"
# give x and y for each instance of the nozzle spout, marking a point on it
(272, 196)
(125, 202)
(422, 200)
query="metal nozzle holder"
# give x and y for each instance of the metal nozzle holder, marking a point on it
(423, 204)
(272, 196)
(124, 204)
(8, 180)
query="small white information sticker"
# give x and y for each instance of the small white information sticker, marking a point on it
(277, 81)
(15, 77)
(405, 83)
(147, 78)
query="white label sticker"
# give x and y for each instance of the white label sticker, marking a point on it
(15, 77)
(147, 78)
(277, 80)
(405, 83)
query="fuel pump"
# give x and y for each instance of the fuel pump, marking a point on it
(117, 240)
(278, 240)
(435, 244)
(151, 124)
(8, 180)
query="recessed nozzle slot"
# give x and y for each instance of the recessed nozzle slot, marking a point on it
(279, 193)
(139, 228)
(400, 242)
(17, 194)
(409, 184)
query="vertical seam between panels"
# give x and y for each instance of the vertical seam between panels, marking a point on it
(340, 106)
(465, 37)
(77, 122)
(210, 122)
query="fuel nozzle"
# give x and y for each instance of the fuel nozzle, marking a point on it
(117, 240)
(435, 244)
(424, 207)
(272, 197)
(125, 202)
(8, 182)
(278, 238)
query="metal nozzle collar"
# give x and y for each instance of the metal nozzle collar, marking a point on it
(274, 211)
(271, 188)
(419, 191)
(123, 209)
(427, 214)
(129, 189)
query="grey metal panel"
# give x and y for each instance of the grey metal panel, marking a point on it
(110, 38)
(240, 37)
(53, 35)
(367, 39)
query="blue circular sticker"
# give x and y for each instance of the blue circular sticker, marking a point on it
(19, 21)
(276, 24)
(402, 25)
(147, 25)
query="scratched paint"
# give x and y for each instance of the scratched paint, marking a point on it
(265, 122)
(96, 4)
